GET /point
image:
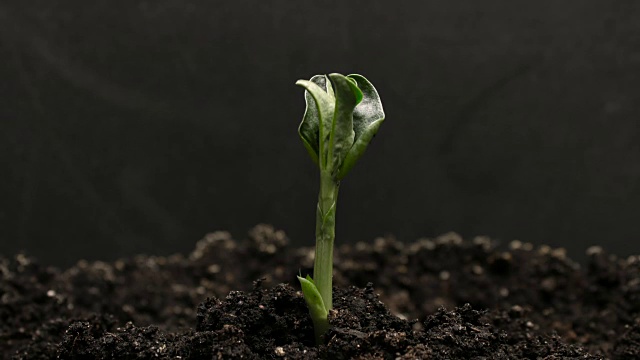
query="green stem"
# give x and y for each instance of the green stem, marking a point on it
(325, 236)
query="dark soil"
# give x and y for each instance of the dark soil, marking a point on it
(433, 299)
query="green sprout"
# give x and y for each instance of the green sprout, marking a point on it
(343, 114)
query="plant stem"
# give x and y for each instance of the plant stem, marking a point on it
(325, 236)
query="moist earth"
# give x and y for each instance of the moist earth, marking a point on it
(443, 298)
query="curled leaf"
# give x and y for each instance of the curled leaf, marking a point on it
(343, 114)
(342, 134)
(367, 118)
(317, 116)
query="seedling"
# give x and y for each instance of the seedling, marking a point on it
(343, 114)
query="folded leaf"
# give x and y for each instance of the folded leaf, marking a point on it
(312, 119)
(367, 118)
(341, 117)
(342, 133)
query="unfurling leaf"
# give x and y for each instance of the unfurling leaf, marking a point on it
(367, 118)
(343, 114)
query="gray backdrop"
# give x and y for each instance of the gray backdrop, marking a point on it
(137, 126)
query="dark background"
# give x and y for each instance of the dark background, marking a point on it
(139, 126)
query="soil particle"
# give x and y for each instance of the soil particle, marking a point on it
(627, 347)
(443, 298)
(270, 323)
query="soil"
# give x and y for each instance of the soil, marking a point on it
(443, 298)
